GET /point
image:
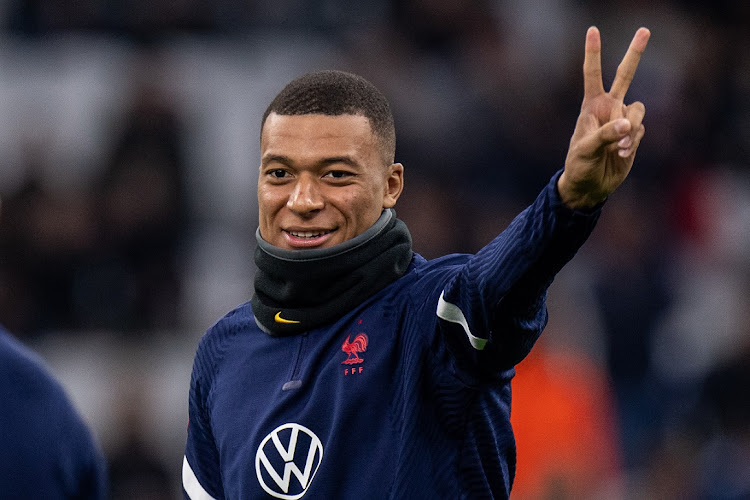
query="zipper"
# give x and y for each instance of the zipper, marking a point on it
(295, 382)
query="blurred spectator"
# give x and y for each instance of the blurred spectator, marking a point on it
(107, 256)
(566, 431)
(632, 295)
(46, 239)
(134, 282)
(724, 406)
(48, 451)
(136, 471)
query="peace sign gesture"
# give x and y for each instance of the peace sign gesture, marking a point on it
(607, 132)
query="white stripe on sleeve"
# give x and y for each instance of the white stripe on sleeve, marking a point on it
(452, 313)
(192, 487)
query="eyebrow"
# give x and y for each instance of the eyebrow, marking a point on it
(285, 160)
(346, 160)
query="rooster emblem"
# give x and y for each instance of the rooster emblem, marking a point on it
(359, 344)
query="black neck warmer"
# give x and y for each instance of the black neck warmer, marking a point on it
(298, 290)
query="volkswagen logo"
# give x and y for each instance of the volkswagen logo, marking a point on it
(287, 460)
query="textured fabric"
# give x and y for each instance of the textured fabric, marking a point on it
(298, 290)
(47, 451)
(388, 400)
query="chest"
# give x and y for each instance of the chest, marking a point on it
(285, 410)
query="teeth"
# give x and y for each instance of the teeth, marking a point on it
(307, 234)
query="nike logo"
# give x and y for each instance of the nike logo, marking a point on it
(279, 319)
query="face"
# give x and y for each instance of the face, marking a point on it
(322, 180)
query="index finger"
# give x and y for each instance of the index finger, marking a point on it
(626, 69)
(592, 64)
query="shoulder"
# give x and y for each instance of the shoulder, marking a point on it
(48, 446)
(23, 371)
(12, 352)
(433, 272)
(420, 287)
(239, 323)
(230, 325)
(440, 263)
(27, 380)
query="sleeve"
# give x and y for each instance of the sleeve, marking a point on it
(493, 309)
(201, 472)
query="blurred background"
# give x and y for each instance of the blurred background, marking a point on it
(128, 158)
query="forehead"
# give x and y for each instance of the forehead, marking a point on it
(316, 132)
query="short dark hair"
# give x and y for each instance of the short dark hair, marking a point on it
(334, 93)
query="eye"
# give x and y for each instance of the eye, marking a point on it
(278, 173)
(338, 174)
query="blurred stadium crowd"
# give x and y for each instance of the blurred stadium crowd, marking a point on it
(128, 154)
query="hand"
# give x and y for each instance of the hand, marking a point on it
(607, 132)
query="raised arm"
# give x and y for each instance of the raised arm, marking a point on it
(607, 132)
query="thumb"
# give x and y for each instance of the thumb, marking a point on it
(610, 132)
(613, 131)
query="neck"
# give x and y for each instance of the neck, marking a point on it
(299, 290)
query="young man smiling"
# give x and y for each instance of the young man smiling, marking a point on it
(359, 369)
(323, 179)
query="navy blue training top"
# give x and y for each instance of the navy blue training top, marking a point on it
(46, 450)
(405, 396)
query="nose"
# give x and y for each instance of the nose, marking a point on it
(306, 197)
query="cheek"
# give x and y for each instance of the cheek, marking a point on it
(270, 200)
(269, 206)
(364, 209)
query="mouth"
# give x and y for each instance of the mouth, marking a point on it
(308, 234)
(296, 238)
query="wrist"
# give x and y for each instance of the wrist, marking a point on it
(578, 195)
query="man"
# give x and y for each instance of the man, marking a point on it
(47, 451)
(359, 369)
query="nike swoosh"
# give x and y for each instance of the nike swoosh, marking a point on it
(279, 319)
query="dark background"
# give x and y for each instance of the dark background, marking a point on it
(128, 156)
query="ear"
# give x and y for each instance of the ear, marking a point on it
(394, 185)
